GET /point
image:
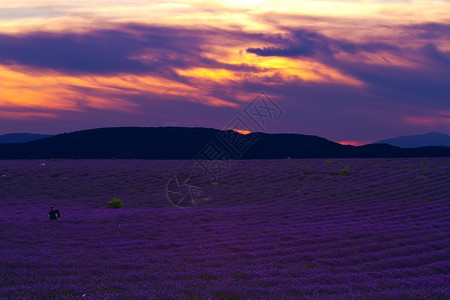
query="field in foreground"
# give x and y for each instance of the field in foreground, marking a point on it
(274, 229)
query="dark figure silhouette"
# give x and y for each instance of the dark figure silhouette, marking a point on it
(54, 214)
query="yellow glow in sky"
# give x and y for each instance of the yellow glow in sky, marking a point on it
(217, 56)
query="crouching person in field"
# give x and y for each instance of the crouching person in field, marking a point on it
(54, 214)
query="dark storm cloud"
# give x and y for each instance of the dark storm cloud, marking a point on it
(303, 43)
(128, 49)
(95, 52)
(311, 44)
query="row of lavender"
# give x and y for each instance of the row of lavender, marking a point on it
(264, 229)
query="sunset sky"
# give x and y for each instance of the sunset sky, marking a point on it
(355, 71)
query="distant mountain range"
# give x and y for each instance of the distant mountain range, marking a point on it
(21, 137)
(200, 143)
(421, 140)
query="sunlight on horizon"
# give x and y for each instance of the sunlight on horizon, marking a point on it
(129, 56)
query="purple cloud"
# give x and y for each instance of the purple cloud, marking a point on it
(432, 52)
(337, 111)
(303, 43)
(429, 30)
(131, 48)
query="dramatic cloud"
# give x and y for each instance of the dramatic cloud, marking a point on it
(357, 71)
(424, 76)
(130, 49)
(311, 44)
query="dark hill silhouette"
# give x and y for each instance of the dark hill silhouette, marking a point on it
(189, 143)
(420, 140)
(21, 137)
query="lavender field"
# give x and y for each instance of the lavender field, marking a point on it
(266, 229)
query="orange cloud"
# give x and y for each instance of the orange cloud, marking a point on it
(26, 115)
(33, 90)
(119, 56)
